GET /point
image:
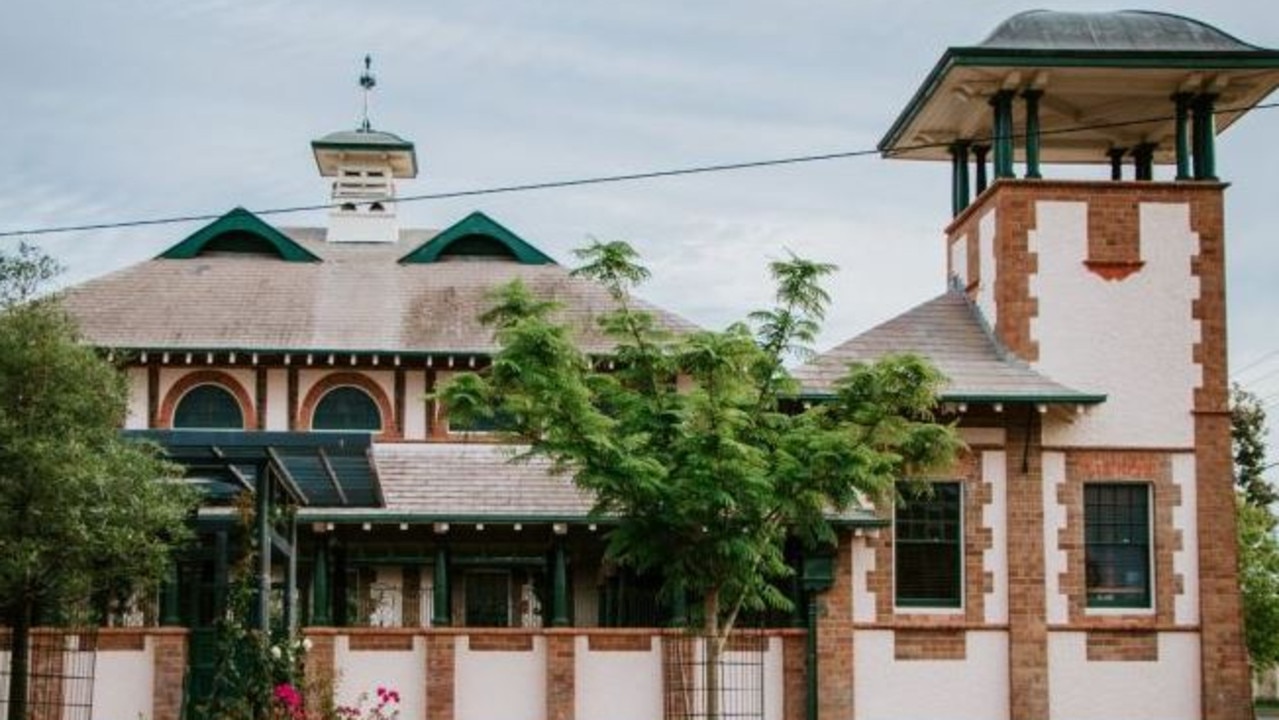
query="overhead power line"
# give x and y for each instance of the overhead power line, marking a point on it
(604, 179)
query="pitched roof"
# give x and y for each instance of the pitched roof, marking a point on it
(1125, 30)
(950, 332)
(358, 298)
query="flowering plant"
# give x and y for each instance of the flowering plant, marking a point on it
(387, 707)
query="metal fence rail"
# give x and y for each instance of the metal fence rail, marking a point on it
(60, 675)
(739, 675)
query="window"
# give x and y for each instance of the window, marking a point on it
(929, 547)
(488, 599)
(347, 408)
(208, 407)
(1117, 544)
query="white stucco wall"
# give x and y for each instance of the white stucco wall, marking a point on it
(1166, 689)
(888, 689)
(414, 405)
(1055, 563)
(618, 685)
(986, 267)
(277, 400)
(499, 685)
(1185, 562)
(137, 419)
(994, 470)
(863, 599)
(124, 683)
(364, 671)
(1131, 339)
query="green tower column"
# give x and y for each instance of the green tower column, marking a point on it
(1181, 134)
(1032, 132)
(979, 160)
(959, 197)
(1205, 136)
(321, 596)
(559, 586)
(1002, 102)
(1116, 156)
(441, 597)
(1143, 158)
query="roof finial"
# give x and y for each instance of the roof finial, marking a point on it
(368, 82)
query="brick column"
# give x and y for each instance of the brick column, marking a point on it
(561, 675)
(440, 664)
(45, 675)
(1027, 624)
(835, 639)
(320, 668)
(169, 657)
(794, 686)
(677, 682)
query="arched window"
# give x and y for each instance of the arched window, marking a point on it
(347, 408)
(208, 407)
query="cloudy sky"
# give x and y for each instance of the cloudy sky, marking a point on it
(131, 110)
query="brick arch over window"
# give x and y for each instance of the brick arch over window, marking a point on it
(306, 412)
(194, 379)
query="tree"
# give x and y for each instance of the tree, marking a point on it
(1258, 546)
(695, 446)
(82, 510)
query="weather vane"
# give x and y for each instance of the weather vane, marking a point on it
(368, 82)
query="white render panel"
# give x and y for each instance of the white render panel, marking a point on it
(1185, 518)
(1054, 474)
(863, 598)
(994, 560)
(987, 268)
(976, 687)
(959, 261)
(618, 685)
(414, 405)
(362, 672)
(277, 399)
(521, 694)
(123, 683)
(1166, 689)
(1131, 339)
(983, 436)
(137, 412)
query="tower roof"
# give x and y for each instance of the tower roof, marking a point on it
(1107, 81)
(361, 146)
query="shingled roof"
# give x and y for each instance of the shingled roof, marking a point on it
(950, 332)
(357, 298)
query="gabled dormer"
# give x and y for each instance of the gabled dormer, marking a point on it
(477, 237)
(239, 232)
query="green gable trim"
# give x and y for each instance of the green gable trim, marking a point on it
(466, 234)
(1056, 58)
(239, 231)
(988, 398)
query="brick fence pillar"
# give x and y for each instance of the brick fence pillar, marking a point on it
(320, 669)
(561, 675)
(835, 639)
(169, 659)
(440, 664)
(794, 686)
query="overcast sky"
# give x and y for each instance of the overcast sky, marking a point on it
(128, 110)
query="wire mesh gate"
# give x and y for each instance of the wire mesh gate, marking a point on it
(730, 689)
(61, 664)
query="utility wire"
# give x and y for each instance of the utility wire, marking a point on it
(1254, 363)
(610, 179)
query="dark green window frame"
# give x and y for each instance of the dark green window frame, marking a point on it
(928, 548)
(1117, 541)
(208, 407)
(347, 407)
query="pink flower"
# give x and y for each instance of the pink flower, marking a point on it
(288, 696)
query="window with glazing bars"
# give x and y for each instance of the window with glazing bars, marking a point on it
(1117, 544)
(929, 547)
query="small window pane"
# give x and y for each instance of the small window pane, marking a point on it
(928, 540)
(1117, 544)
(208, 407)
(347, 408)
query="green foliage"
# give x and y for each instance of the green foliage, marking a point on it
(1259, 583)
(696, 443)
(1248, 433)
(81, 509)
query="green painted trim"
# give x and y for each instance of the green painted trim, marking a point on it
(477, 223)
(979, 56)
(239, 220)
(403, 145)
(1064, 399)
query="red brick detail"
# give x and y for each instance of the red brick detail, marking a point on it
(1119, 646)
(193, 379)
(441, 664)
(1113, 270)
(1027, 624)
(45, 689)
(1114, 228)
(261, 396)
(930, 644)
(372, 639)
(561, 676)
(320, 670)
(123, 639)
(597, 642)
(505, 642)
(677, 651)
(391, 429)
(835, 639)
(169, 660)
(1145, 467)
(794, 674)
